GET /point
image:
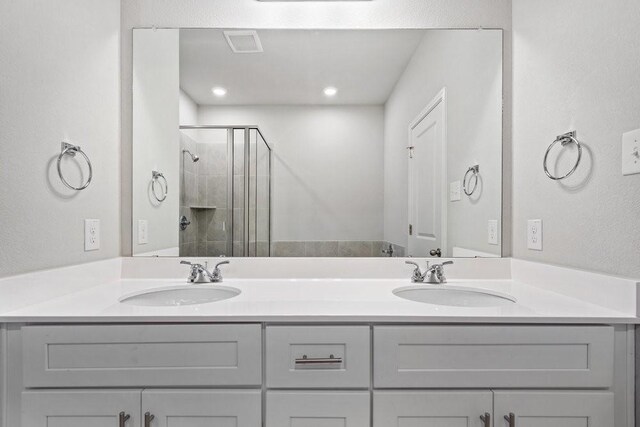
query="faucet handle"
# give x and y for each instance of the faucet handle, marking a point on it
(221, 263)
(412, 263)
(417, 276)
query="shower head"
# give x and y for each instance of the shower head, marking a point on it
(194, 158)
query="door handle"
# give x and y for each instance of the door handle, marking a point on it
(148, 417)
(123, 418)
(435, 252)
(486, 419)
(511, 419)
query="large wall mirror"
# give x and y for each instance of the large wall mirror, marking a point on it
(317, 143)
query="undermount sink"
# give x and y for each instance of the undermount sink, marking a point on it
(457, 296)
(180, 295)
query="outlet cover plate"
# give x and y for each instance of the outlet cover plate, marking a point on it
(91, 234)
(534, 234)
(493, 232)
(454, 191)
(143, 231)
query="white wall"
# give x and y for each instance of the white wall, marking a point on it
(59, 80)
(468, 63)
(327, 168)
(577, 67)
(251, 13)
(187, 110)
(156, 75)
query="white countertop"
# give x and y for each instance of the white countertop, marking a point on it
(316, 300)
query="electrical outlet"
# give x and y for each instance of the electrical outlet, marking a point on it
(631, 152)
(534, 234)
(91, 234)
(143, 231)
(454, 191)
(493, 232)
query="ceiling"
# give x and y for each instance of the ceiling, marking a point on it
(296, 65)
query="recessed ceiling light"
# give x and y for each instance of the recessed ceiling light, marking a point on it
(219, 91)
(330, 91)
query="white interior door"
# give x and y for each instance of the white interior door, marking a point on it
(427, 167)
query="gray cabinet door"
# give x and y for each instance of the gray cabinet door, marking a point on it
(554, 409)
(432, 408)
(318, 409)
(81, 408)
(203, 408)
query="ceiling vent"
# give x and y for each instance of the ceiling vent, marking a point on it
(243, 41)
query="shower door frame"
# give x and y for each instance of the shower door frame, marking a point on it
(246, 184)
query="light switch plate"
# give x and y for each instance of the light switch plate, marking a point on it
(91, 234)
(534, 234)
(493, 232)
(454, 191)
(631, 152)
(143, 231)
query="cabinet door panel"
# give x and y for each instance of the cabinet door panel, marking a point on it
(80, 408)
(432, 408)
(203, 408)
(318, 409)
(555, 409)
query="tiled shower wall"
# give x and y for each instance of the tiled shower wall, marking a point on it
(334, 249)
(203, 195)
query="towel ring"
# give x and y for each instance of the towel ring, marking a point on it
(474, 170)
(155, 178)
(71, 150)
(567, 138)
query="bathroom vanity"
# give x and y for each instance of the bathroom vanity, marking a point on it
(317, 375)
(322, 352)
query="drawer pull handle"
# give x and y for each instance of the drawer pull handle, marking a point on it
(147, 419)
(511, 419)
(304, 360)
(486, 419)
(123, 418)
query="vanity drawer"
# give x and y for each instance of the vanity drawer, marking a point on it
(493, 356)
(318, 356)
(142, 355)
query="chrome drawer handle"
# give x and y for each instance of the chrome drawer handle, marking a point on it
(147, 419)
(511, 419)
(486, 419)
(123, 418)
(304, 360)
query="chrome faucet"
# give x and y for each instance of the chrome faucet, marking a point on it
(200, 274)
(433, 274)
